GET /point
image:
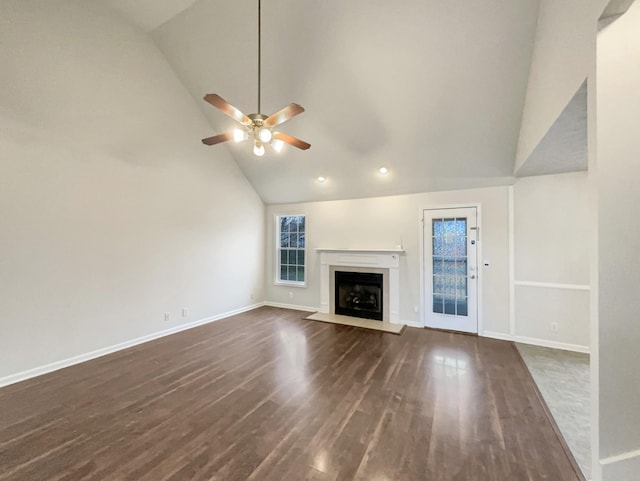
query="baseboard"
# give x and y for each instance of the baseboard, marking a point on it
(623, 467)
(54, 366)
(537, 342)
(552, 344)
(497, 335)
(412, 324)
(290, 306)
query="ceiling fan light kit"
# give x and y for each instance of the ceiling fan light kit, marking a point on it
(239, 135)
(258, 127)
(258, 149)
(277, 145)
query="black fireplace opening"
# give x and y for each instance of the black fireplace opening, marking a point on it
(358, 294)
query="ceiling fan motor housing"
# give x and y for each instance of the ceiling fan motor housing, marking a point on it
(257, 119)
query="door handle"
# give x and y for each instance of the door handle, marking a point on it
(472, 276)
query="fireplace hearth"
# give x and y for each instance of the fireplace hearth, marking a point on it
(358, 294)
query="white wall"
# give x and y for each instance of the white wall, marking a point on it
(551, 244)
(618, 146)
(382, 222)
(562, 58)
(111, 211)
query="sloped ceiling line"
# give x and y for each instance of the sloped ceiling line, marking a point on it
(434, 90)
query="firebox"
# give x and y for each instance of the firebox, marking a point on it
(358, 294)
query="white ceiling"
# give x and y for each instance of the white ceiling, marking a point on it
(433, 90)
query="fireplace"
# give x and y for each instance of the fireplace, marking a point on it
(377, 261)
(358, 294)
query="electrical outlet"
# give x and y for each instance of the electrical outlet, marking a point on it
(185, 311)
(554, 327)
(415, 309)
(290, 295)
(167, 316)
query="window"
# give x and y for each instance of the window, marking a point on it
(290, 249)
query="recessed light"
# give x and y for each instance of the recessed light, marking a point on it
(383, 170)
(321, 179)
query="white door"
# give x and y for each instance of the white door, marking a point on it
(451, 269)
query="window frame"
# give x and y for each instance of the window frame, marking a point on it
(278, 248)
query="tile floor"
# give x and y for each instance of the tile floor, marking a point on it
(563, 380)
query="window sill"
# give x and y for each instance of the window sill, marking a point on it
(290, 284)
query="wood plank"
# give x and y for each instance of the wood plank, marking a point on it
(267, 395)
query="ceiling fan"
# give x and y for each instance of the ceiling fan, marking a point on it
(258, 127)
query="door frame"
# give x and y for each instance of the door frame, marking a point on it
(480, 272)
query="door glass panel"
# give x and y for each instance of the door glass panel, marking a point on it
(438, 292)
(437, 228)
(461, 246)
(438, 248)
(437, 304)
(438, 269)
(461, 287)
(449, 226)
(461, 307)
(449, 247)
(450, 269)
(449, 306)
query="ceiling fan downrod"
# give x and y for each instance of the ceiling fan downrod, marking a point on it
(259, 52)
(257, 126)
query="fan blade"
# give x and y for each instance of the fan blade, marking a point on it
(220, 103)
(283, 115)
(216, 139)
(301, 144)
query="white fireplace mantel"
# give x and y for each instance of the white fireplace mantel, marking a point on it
(388, 259)
(366, 251)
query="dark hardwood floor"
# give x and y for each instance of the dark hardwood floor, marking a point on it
(268, 396)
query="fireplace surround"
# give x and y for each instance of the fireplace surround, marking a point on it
(379, 261)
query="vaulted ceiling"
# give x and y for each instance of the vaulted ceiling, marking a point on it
(432, 90)
(564, 146)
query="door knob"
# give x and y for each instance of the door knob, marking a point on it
(473, 276)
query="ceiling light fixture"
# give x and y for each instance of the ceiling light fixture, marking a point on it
(257, 126)
(264, 135)
(239, 135)
(277, 145)
(321, 179)
(258, 149)
(383, 170)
